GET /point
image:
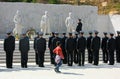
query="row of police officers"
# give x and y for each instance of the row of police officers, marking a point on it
(73, 48)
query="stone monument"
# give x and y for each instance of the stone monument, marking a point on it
(69, 22)
(45, 24)
(17, 21)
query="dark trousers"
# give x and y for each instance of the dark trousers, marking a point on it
(118, 56)
(76, 56)
(96, 57)
(65, 57)
(52, 57)
(24, 59)
(111, 57)
(90, 56)
(36, 56)
(105, 56)
(9, 59)
(81, 57)
(41, 58)
(70, 58)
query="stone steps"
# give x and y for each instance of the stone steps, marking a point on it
(31, 54)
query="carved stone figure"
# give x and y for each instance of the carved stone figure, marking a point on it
(17, 21)
(45, 24)
(69, 22)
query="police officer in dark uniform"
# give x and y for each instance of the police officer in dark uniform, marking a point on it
(104, 48)
(9, 47)
(118, 47)
(81, 46)
(79, 26)
(75, 56)
(111, 49)
(70, 47)
(35, 48)
(50, 47)
(54, 41)
(63, 48)
(41, 47)
(95, 48)
(90, 53)
(24, 48)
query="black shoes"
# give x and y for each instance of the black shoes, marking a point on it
(41, 66)
(9, 67)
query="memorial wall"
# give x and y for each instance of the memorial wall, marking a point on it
(31, 14)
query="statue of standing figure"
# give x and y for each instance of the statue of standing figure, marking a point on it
(17, 21)
(69, 22)
(45, 24)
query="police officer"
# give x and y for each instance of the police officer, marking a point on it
(104, 48)
(63, 48)
(9, 47)
(111, 49)
(35, 48)
(24, 48)
(41, 47)
(54, 41)
(118, 47)
(95, 48)
(79, 26)
(70, 47)
(81, 46)
(50, 47)
(90, 53)
(75, 56)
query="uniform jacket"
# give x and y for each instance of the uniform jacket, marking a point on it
(104, 43)
(63, 42)
(41, 44)
(35, 42)
(75, 39)
(89, 41)
(117, 40)
(50, 42)
(111, 44)
(81, 43)
(24, 44)
(96, 43)
(54, 40)
(79, 27)
(70, 44)
(9, 43)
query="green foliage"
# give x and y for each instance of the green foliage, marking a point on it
(13, 0)
(53, 1)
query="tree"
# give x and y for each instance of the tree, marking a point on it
(53, 1)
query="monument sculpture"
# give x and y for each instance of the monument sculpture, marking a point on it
(17, 20)
(69, 22)
(45, 24)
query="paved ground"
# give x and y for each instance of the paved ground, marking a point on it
(103, 71)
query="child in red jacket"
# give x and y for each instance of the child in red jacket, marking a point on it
(59, 56)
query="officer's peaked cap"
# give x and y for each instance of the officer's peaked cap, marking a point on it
(105, 33)
(81, 32)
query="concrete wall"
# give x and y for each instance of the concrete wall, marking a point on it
(31, 15)
(104, 24)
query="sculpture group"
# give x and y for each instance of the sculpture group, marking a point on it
(44, 23)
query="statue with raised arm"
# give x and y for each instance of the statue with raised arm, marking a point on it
(17, 20)
(45, 24)
(69, 22)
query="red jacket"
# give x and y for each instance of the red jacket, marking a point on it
(58, 51)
